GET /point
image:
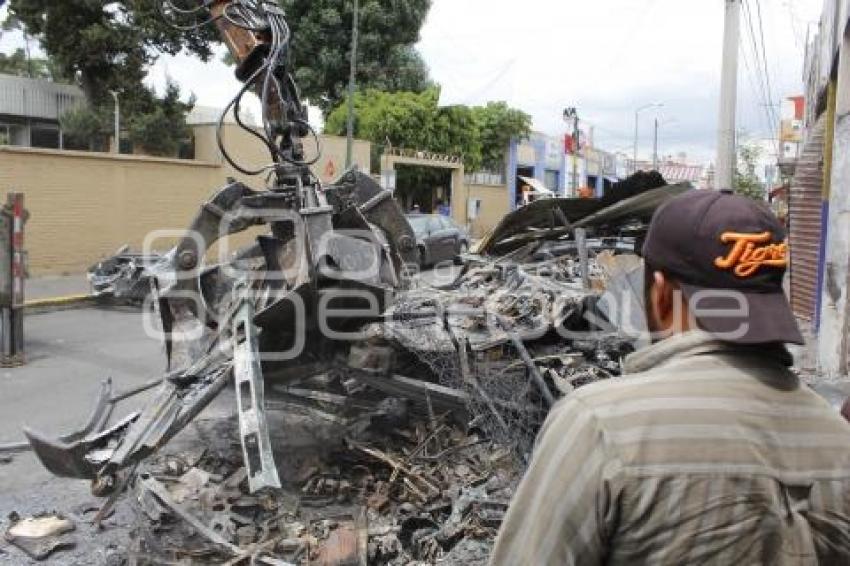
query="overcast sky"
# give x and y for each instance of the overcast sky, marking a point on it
(606, 57)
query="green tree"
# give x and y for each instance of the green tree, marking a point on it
(87, 128)
(21, 62)
(415, 120)
(498, 123)
(106, 46)
(160, 129)
(387, 60)
(20, 65)
(412, 120)
(747, 182)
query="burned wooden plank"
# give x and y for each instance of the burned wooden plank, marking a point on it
(416, 390)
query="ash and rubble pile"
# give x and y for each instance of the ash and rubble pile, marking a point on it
(424, 478)
(487, 337)
(426, 491)
(434, 408)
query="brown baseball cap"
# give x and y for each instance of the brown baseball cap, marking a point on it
(729, 254)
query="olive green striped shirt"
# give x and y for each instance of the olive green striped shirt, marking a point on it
(711, 453)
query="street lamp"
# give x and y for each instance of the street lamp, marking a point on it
(658, 124)
(352, 86)
(637, 118)
(117, 134)
(571, 116)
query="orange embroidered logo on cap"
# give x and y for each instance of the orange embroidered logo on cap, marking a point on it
(748, 254)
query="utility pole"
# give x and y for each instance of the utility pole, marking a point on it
(571, 116)
(726, 155)
(117, 134)
(637, 130)
(655, 147)
(352, 84)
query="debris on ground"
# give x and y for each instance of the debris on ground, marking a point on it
(40, 536)
(432, 490)
(123, 278)
(438, 403)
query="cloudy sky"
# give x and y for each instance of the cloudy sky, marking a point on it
(606, 57)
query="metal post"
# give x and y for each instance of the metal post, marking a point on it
(726, 156)
(575, 154)
(117, 134)
(18, 275)
(352, 84)
(634, 157)
(581, 245)
(12, 281)
(637, 123)
(655, 147)
(571, 118)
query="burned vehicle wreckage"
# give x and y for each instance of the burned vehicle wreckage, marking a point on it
(441, 387)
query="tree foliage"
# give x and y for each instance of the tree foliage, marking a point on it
(415, 120)
(498, 123)
(161, 128)
(387, 60)
(87, 128)
(747, 182)
(21, 62)
(108, 47)
(22, 65)
(158, 129)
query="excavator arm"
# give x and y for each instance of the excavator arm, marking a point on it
(223, 323)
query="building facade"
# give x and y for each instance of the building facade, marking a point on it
(791, 127)
(819, 208)
(30, 110)
(539, 157)
(562, 169)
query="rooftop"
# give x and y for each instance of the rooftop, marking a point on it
(37, 98)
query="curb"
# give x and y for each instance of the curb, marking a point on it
(58, 303)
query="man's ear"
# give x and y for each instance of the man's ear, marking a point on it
(662, 299)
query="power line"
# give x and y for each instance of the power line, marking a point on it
(763, 80)
(757, 94)
(762, 84)
(766, 66)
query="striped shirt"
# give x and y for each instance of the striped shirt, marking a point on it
(712, 453)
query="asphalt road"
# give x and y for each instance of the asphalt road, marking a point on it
(69, 353)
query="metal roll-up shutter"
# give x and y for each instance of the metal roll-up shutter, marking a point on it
(805, 209)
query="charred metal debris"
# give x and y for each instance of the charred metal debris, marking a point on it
(437, 393)
(435, 401)
(123, 278)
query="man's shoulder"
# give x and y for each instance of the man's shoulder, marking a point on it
(706, 387)
(625, 387)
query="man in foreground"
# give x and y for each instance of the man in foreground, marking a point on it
(712, 450)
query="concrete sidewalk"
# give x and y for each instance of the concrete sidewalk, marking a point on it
(55, 287)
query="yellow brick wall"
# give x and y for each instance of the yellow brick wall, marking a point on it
(494, 207)
(249, 152)
(83, 206)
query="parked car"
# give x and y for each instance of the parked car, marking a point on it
(438, 238)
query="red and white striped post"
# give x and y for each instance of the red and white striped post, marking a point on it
(12, 275)
(16, 201)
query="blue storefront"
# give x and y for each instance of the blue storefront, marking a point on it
(541, 157)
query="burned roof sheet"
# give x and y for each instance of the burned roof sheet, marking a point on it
(553, 218)
(640, 207)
